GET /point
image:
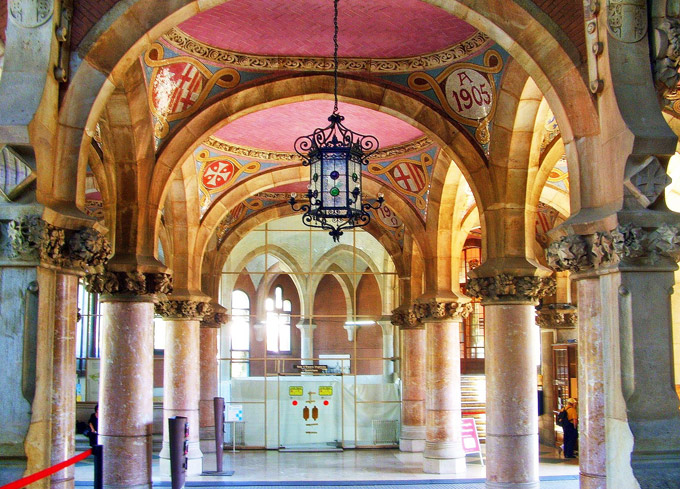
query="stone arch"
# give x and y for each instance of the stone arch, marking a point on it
(522, 31)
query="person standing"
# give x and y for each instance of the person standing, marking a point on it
(570, 429)
(93, 425)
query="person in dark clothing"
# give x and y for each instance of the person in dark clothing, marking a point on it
(93, 425)
(570, 429)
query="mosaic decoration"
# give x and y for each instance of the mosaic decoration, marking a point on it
(193, 47)
(217, 173)
(410, 176)
(466, 91)
(179, 85)
(551, 131)
(15, 174)
(545, 221)
(559, 176)
(389, 220)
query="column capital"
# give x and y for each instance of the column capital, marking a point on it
(216, 318)
(306, 326)
(405, 318)
(628, 246)
(557, 316)
(183, 309)
(133, 283)
(510, 288)
(440, 310)
(32, 238)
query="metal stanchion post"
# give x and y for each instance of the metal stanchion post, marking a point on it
(218, 404)
(177, 428)
(98, 452)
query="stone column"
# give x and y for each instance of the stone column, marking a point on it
(210, 328)
(64, 254)
(628, 408)
(306, 327)
(126, 374)
(443, 452)
(412, 433)
(64, 378)
(557, 324)
(181, 375)
(388, 348)
(511, 384)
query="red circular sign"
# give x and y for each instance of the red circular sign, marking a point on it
(294, 403)
(325, 403)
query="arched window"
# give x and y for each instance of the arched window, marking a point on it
(278, 322)
(240, 333)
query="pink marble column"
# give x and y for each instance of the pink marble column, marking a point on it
(64, 378)
(181, 387)
(126, 390)
(443, 444)
(412, 437)
(209, 389)
(592, 448)
(511, 401)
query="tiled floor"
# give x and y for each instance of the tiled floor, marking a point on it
(365, 465)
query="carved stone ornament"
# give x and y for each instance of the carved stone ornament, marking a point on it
(627, 19)
(627, 243)
(405, 318)
(214, 320)
(556, 316)
(129, 283)
(437, 310)
(646, 184)
(30, 13)
(511, 288)
(667, 51)
(172, 309)
(32, 238)
(89, 248)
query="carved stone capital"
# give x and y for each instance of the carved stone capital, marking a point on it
(183, 309)
(627, 243)
(557, 316)
(405, 318)
(214, 320)
(128, 283)
(440, 310)
(33, 238)
(512, 288)
(666, 42)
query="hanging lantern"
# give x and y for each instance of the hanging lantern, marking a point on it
(335, 156)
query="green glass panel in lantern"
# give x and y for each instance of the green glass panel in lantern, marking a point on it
(355, 177)
(335, 191)
(315, 177)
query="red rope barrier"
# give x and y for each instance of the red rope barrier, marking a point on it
(48, 471)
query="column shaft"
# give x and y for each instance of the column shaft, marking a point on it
(443, 445)
(126, 391)
(64, 378)
(181, 387)
(511, 403)
(209, 389)
(412, 438)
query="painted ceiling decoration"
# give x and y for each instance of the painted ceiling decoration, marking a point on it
(558, 178)
(546, 218)
(550, 132)
(462, 81)
(408, 175)
(466, 91)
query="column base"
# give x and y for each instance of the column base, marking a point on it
(411, 445)
(444, 465)
(512, 485)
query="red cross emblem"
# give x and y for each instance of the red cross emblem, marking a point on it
(217, 173)
(409, 177)
(177, 87)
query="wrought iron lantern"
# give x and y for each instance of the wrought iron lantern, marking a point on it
(335, 156)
